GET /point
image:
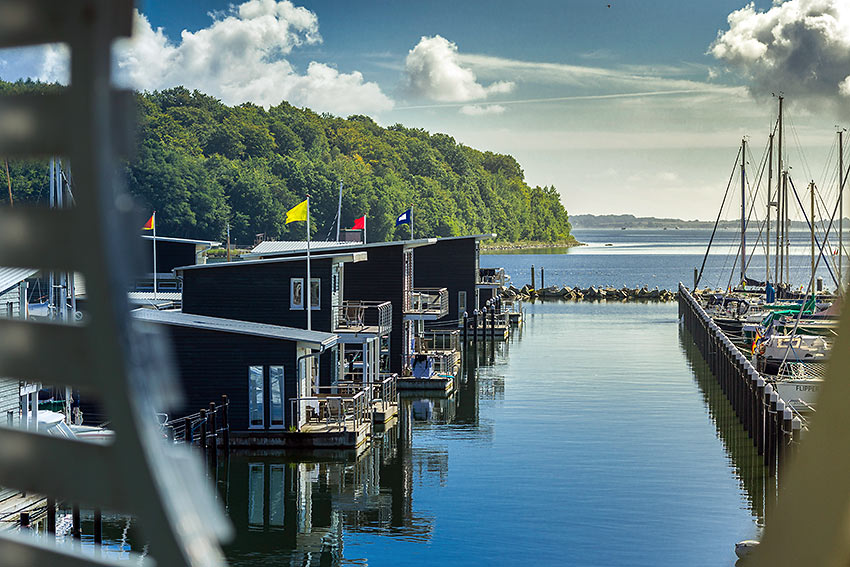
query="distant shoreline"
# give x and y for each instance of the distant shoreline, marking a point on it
(530, 244)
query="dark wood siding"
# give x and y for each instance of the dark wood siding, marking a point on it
(257, 292)
(212, 363)
(169, 255)
(449, 264)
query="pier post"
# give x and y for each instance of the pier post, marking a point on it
(204, 433)
(787, 434)
(780, 437)
(25, 520)
(76, 531)
(542, 281)
(98, 527)
(532, 277)
(759, 405)
(475, 327)
(188, 437)
(484, 323)
(225, 417)
(493, 323)
(465, 330)
(213, 428)
(696, 278)
(771, 441)
(51, 516)
(796, 431)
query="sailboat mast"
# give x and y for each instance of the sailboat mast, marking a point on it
(840, 209)
(743, 209)
(780, 180)
(812, 226)
(769, 204)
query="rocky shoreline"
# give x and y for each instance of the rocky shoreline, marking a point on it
(529, 245)
(526, 293)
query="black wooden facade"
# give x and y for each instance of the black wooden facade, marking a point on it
(172, 252)
(451, 263)
(215, 363)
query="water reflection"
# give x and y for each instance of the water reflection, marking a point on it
(299, 510)
(748, 465)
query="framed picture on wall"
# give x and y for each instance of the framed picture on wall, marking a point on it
(296, 293)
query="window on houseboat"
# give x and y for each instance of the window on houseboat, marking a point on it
(276, 409)
(315, 293)
(296, 293)
(255, 397)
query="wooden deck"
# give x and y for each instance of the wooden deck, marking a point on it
(313, 435)
(436, 383)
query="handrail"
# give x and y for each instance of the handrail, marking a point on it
(356, 315)
(335, 411)
(433, 300)
(491, 276)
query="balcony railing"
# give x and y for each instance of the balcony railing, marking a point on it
(432, 302)
(491, 277)
(334, 412)
(445, 362)
(364, 316)
(438, 341)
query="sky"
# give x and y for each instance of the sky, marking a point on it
(624, 106)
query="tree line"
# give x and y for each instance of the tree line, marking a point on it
(202, 165)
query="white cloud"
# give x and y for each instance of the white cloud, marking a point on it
(480, 110)
(240, 57)
(799, 47)
(433, 71)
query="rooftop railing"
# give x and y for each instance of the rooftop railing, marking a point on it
(429, 301)
(363, 315)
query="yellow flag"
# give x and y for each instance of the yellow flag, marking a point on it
(297, 213)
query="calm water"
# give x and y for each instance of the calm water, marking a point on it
(589, 440)
(651, 257)
(595, 437)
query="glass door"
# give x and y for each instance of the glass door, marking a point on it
(276, 400)
(256, 393)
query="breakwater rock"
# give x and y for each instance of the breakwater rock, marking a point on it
(592, 293)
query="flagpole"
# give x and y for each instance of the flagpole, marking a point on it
(339, 212)
(411, 222)
(309, 281)
(154, 255)
(364, 229)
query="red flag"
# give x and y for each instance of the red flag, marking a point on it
(359, 224)
(149, 224)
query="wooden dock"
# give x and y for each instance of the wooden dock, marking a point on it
(437, 383)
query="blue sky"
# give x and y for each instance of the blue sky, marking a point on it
(636, 107)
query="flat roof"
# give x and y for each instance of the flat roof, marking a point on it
(340, 257)
(209, 243)
(287, 248)
(177, 318)
(296, 245)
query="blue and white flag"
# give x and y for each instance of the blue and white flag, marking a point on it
(403, 218)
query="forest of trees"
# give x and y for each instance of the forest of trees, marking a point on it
(201, 164)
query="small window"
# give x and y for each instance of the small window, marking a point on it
(296, 293)
(315, 293)
(461, 303)
(256, 393)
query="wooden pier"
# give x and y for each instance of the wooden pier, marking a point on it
(768, 421)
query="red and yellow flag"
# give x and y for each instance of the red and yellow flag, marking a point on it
(149, 224)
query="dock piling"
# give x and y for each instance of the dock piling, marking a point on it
(51, 516)
(204, 433)
(225, 416)
(532, 277)
(213, 429)
(98, 528)
(76, 529)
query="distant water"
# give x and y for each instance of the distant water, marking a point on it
(651, 257)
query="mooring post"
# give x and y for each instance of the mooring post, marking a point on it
(475, 326)
(213, 428)
(465, 329)
(771, 442)
(493, 323)
(787, 433)
(25, 520)
(51, 516)
(542, 280)
(76, 530)
(188, 436)
(98, 527)
(696, 278)
(780, 436)
(532, 277)
(796, 431)
(204, 433)
(759, 405)
(225, 407)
